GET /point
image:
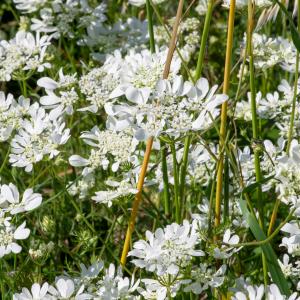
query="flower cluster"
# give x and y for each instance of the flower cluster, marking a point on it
(23, 55)
(10, 205)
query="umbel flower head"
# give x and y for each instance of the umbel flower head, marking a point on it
(173, 107)
(168, 250)
(25, 52)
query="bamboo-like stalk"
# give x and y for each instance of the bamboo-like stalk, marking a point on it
(143, 171)
(224, 113)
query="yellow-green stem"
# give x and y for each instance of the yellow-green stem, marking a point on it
(224, 113)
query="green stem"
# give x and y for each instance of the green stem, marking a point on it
(270, 237)
(210, 7)
(226, 189)
(199, 67)
(291, 129)
(166, 192)
(184, 166)
(255, 131)
(150, 26)
(176, 183)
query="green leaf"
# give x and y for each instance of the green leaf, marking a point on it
(294, 32)
(255, 185)
(271, 258)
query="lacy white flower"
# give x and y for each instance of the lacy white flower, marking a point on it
(65, 289)
(36, 292)
(107, 144)
(122, 188)
(292, 243)
(174, 106)
(114, 286)
(24, 52)
(37, 137)
(226, 251)
(143, 2)
(168, 250)
(9, 235)
(204, 277)
(65, 96)
(140, 72)
(10, 199)
(98, 83)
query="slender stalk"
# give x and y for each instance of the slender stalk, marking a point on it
(291, 129)
(210, 7)
(255, 129)
(142, 174)
(176, 184)
(226, 190)
(150, 26)
(224, 113)
(166, 192)
(199, 67)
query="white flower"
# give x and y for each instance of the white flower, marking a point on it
(98, 84)
(107, 144)
(226, 251)
(10, 199)
(143, 2)
(139, 74)
(204, 277)
(65, 289)
(37, 137)
(173, 107)
(123, 188)
(29, 6)
(292, 243)
(250, 292)
(9, 237)
(24, 52)
(168, 250)
(37, 292)
(114, 286)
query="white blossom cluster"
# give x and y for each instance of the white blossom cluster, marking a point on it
(10, 205)
(37, 136)
(172, 106)
(59, 17)
(25, 53)
(269, 51)
(106, 145)
(94, 282)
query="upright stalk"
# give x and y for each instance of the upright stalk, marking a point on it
(142, 174)
(199, 67)
(210, 8)
(255, 131)
(166, 193)
(224, 113)
(176, 184)
(291, 129)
